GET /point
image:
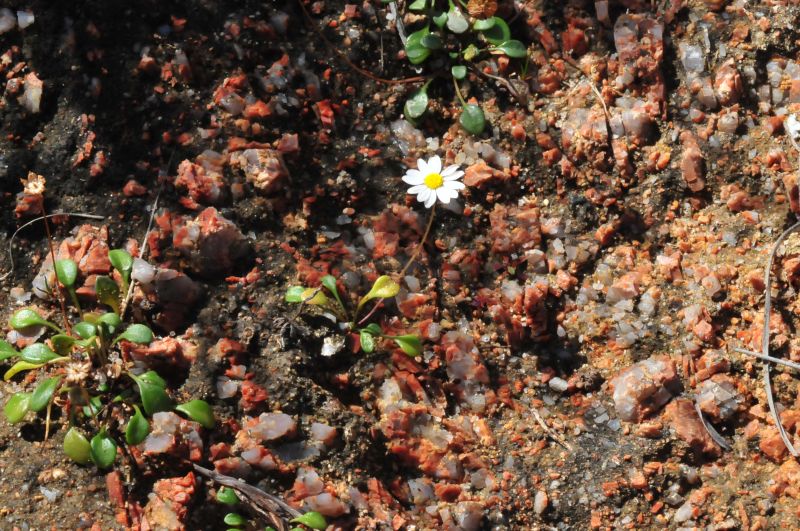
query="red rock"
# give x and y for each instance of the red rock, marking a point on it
(786, 481)
(728, 83)
(480, 173)
(644, 388)
(771, 444)
(253, 396)
(168, 508)
(259, 109)
(692, 163)
(325, 113)
(212, 244)
(289, 143)
(790, 185)
(132, 188)
(264, 168)
(204, 185)
(574, 40)
(688, 426)
(168, 352)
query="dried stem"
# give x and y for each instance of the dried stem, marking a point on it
(421, 242)
(59, 295)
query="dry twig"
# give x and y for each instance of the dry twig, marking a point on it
(549, 431)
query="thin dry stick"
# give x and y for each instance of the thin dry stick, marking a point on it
(31, 222)
(421, 242)
(719, 439)
(779, 361)
(267, 505)
(549, 431)
(765, 338)
(53, 258)
(343, 57)
(142, 250)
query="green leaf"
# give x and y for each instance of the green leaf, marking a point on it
(67, 272)
(330, 284)
(136, 333)
(484, 24)
(198, 411)
(62, 344)
(17, 406)
(110, 320)
(311, 519)
(76, 447)
(154, 378)
(472, 119)
(415, 51)
(470, 52)
(103, 449)
(383, 288)
(459, 71)
(498, 33)
(513, 49)
(315, 297)
(227, 496)
(137, 428)
(38, 353)
(19, 367)
(456, 21)
(44, 393)
(367, 341)
(440, 20)
(410, 344)
(418, 5)
(7, 350)
(294, 294)
(154, 397)
(374, 329)
(94, 407)
(432, 41)
(234, 519)
(85, 330)
(122, 261)
(26, 317)
(416, 105)
(107, 292)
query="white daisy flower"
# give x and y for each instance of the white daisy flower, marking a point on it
(429, 182)
(792, 127)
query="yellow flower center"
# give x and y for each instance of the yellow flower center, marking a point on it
(433, 181)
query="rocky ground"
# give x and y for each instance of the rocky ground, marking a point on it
(579, 304)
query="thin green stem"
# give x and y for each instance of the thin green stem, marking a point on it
(458, 93)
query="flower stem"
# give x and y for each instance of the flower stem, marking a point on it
(458, 93)
(421, 242)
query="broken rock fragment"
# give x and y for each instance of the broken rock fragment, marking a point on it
(263, 168)
(644, 388)
(211, 243)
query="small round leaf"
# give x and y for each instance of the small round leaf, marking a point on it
(416, 105)
(17, 406)
(498, 33)
(19, 367)
(62, 344)
(37, 353)
(154, 378)
(472, 119)
(44, 393)
(314, 297)
(383, 288)
(234, 519)
(367, 341)
(227, 496)
(198, 411)
(136, 333)
(85, 330)
(26, 317)
(410, 344)
(137, 428)
(67, 272)
(103, 449)
(456, 21)
(432, 41)
(459, 71)
(122, 261)
(76, 447)
(154, 398)
(484, 24)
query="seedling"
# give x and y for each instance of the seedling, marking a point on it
(460, 41)
(71, 363)
(383, 288)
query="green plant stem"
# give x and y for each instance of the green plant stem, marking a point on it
(74, 296)
(458, 93)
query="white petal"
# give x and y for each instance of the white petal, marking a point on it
(424, 195)
(423, 167)
(453, 176)
(449, 170)
(453, 185)
(434, 164)
(417, 189)
(443, 195)
(413, 177)
(430, 201)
